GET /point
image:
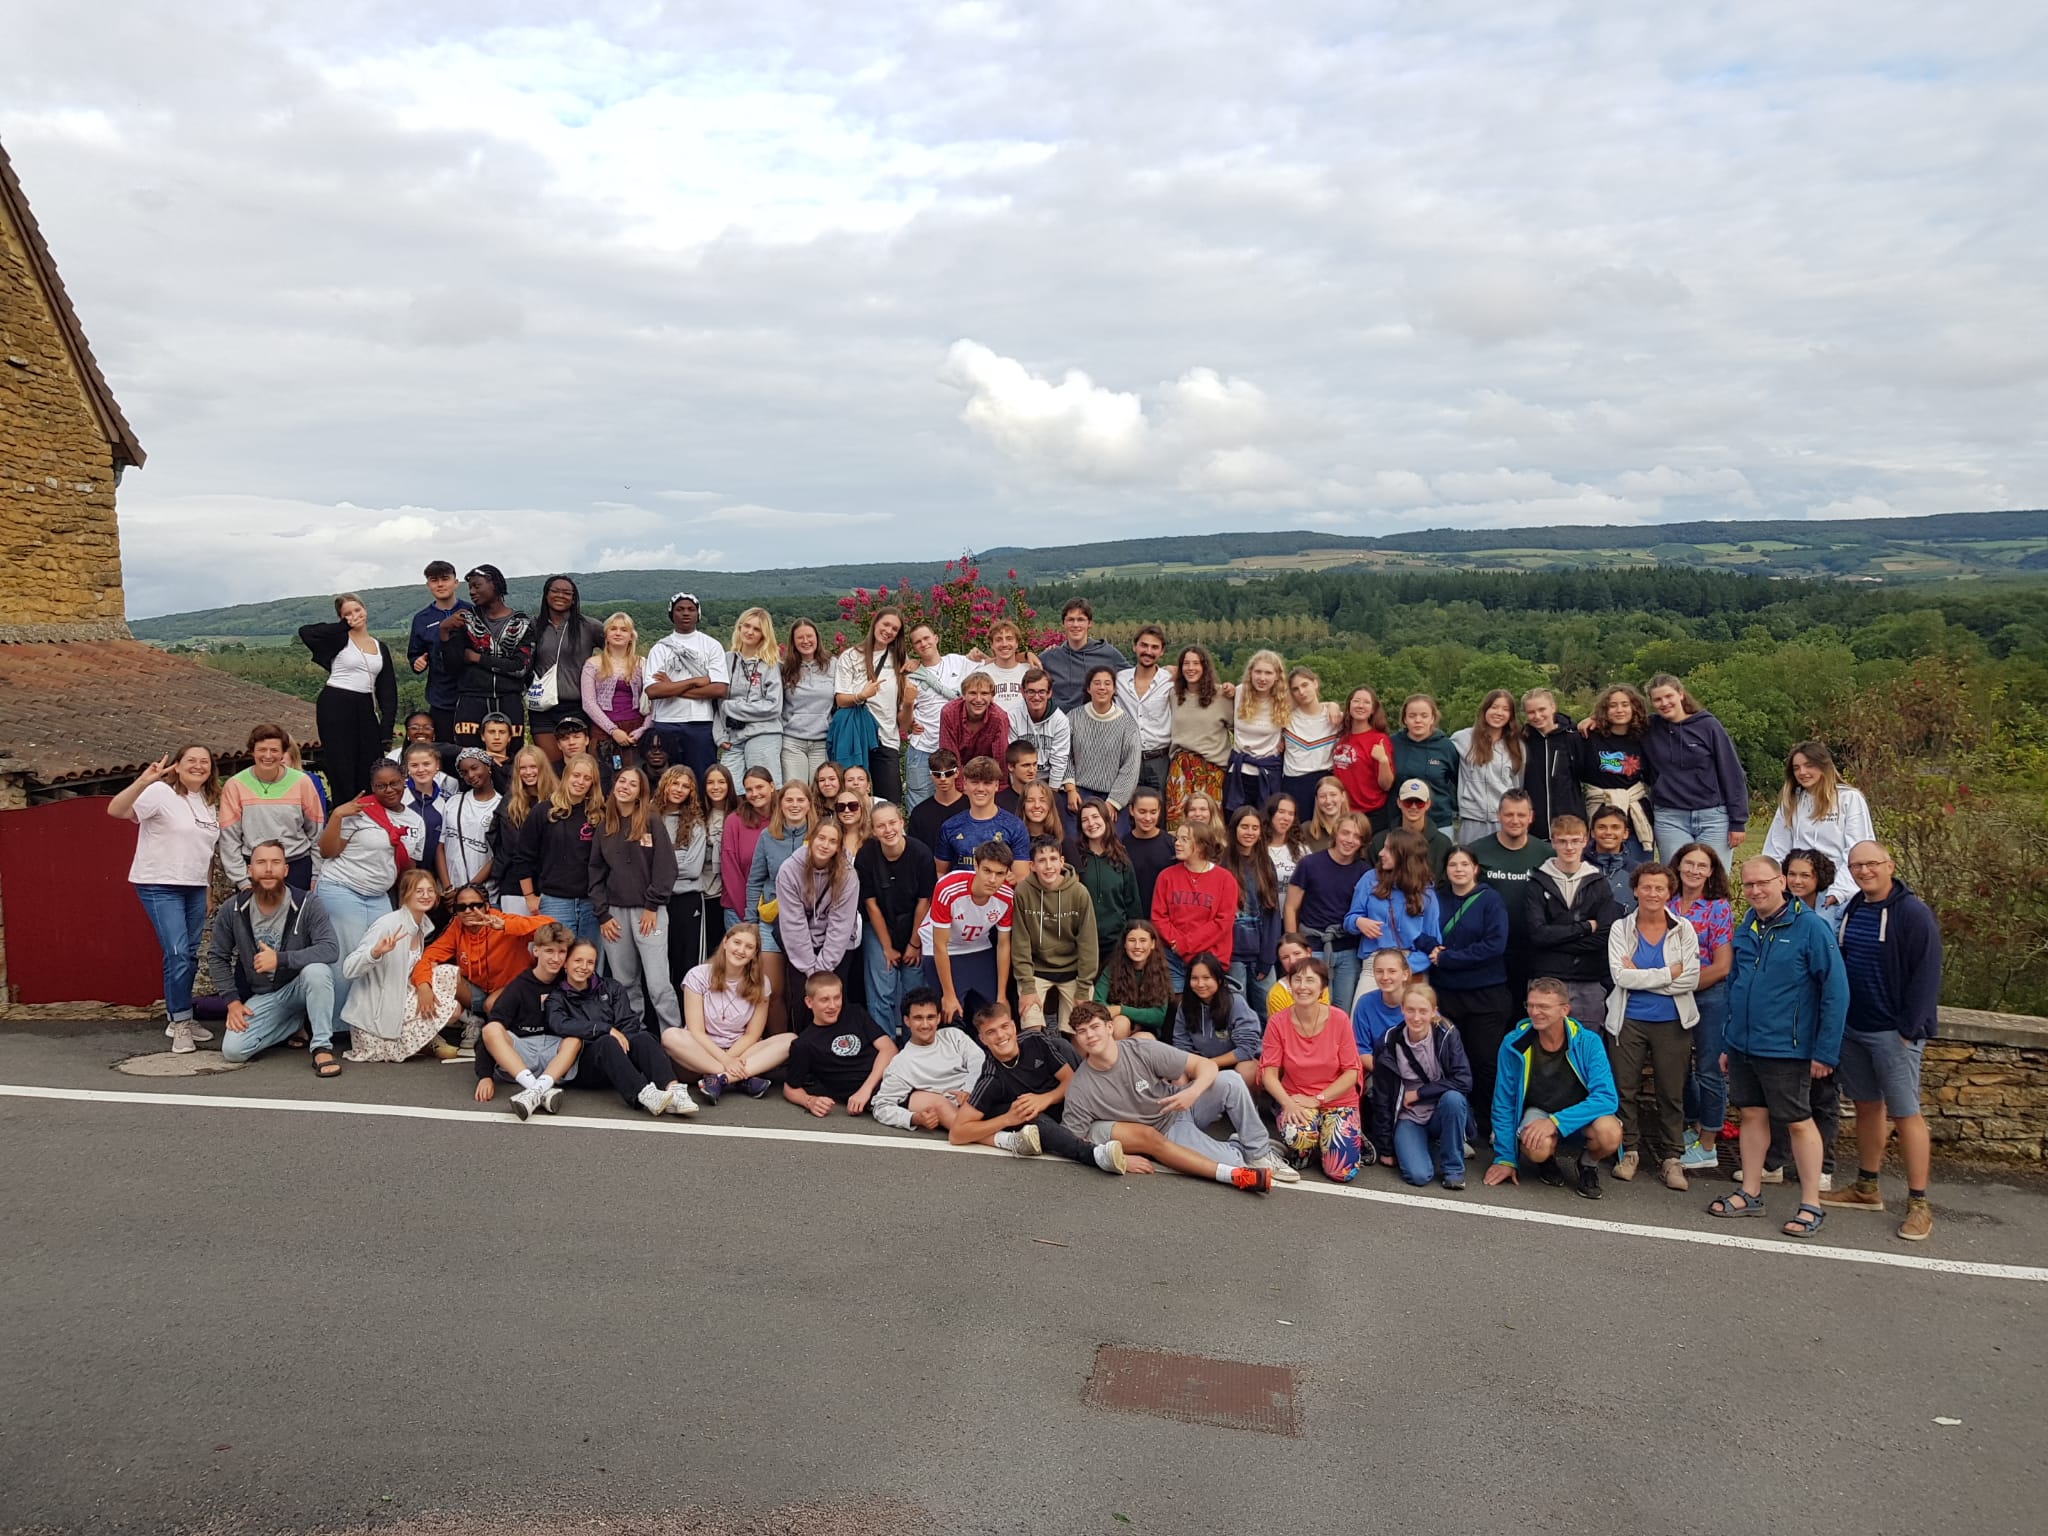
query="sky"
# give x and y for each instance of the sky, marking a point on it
(602, 285)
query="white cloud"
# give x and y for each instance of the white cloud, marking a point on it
(1856, 506)
(667, 557)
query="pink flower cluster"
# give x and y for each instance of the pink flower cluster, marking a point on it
(961, 608)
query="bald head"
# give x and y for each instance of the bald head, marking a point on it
(1763, 886)
(1870, 866)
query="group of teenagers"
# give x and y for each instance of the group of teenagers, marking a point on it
(1060, 902)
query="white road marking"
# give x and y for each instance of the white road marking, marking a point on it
(1786, 1247)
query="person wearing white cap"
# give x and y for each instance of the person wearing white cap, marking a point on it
(686, 677)
(1414, 800)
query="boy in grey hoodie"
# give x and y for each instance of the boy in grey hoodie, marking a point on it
(1053, 946)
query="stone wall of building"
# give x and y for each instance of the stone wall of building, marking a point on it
(59, 542)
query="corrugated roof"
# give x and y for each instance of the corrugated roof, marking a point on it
(122, 436)
(89, 709)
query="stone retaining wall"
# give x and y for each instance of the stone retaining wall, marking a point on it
(1984, 1086)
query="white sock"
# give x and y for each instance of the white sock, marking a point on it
(651, 1099)
(1006, 1141)
(1224, 1172)
(544, 1082)
(1102, 1159)
(526, 1078)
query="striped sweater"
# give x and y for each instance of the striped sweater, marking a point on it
(253, 812)
(1105, 756)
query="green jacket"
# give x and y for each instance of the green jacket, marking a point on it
(1052, 932)
(1113, 888)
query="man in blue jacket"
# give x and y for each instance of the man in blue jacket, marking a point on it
(1891, 952)
(1787, 1000)
(423, 647)
(1553, 1089)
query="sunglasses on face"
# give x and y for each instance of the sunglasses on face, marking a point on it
(848, 805)
(471, 906)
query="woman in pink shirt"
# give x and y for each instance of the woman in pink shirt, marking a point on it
(175, 803)
(743, 829)
(1311, 1068)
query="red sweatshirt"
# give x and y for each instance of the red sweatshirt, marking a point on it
(1194, 912)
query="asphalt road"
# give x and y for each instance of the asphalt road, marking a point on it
(241, 1317)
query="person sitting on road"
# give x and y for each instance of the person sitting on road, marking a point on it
(1421, 1095)
(926, 1084)
(1213, 1021)
(1553, 1092)
(618, 1052)
(725, 1017)
(515, 1045)
(382, 1012)
(477, 955)
(839, 1058)
(1015, 1103)
(1152, 1099)
(1135, 985)
(1312, 1073)
(273, 956)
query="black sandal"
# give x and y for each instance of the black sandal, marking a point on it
(321, 1068)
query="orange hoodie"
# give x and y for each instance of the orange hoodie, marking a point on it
(486, 957)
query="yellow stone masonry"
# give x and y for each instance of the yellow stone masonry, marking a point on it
(59, 540)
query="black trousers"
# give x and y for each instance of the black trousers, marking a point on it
(444, 721)
(691, 935)
(350, 741)
(1483, 1016)
(885, 769)
(1054, 1136)
(603, 1064)
(470, 709)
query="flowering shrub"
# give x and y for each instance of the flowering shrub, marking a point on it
(960, 609)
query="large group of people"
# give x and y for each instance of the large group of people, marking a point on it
(1122, 910)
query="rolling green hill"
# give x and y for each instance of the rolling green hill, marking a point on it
(1972, 546)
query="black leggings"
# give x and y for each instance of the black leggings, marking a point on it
(689, 940)
(604, 1064)
(1483, 1016)
(885, 772)
(350, 741)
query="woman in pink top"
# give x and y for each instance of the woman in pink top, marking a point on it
(743, 829)
(1311, 1068)
(614, 692)
(175, 802)
(725, 1011)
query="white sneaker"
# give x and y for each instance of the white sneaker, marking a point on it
(1827, 1183)
(1028, 1143)
(1109, 1157)
(680, 1102)
(525, 1102)
(193, 1029)
(1283, 1171)
(551, 1101)
(472, 1031)
(182, 1042)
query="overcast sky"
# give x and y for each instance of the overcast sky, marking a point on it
(596, 284)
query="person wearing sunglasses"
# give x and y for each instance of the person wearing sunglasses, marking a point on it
(484, 948)
(854, 815)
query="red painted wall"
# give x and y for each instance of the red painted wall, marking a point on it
(75, 932)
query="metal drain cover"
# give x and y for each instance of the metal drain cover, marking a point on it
(1195, 1389)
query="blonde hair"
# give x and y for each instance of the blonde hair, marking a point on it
(767, 651)
(559, 803)
(1423, 987)
(519, 801)
(778, 827)
(690, 815)
(604, 649)
(751, 986)
(1250, 703)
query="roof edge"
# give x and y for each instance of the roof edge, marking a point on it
(127, 450)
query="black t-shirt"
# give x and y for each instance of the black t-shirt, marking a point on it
(930, 818)
(835, 1059)
(1036, 1070)
(1553, 1081)
(1151, 857)
(522, 1008)
(897, 885)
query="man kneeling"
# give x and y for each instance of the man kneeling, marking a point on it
(926, 1084)
(1553, 1082)
(515, 1045)
(1015, 1103)
(273, 956)
(1125, 1091)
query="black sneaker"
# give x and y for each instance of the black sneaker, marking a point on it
(1588, 1187)
(1368, 1154)
(1550, 1173)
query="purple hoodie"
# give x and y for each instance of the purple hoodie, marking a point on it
(815, 938)
(1697, 769)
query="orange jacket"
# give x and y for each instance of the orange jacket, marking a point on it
(486, 957)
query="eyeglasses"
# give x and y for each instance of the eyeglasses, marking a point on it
(472, 906)
(1870, 863)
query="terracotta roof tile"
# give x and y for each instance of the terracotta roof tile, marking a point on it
(90, 709)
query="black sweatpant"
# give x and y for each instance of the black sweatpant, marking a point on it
(350, 741)
(604, 1064)
(1054, 1136)
(1483, 1016)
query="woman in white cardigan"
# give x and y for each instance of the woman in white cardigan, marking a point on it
(1654, 958)
(1817, 810)
(382, 1011)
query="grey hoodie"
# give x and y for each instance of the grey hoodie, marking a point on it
(1052, 932)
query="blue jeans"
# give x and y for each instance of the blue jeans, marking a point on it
(308, 996)
(887, 983)
(1706, 1087)
(1177, 972)
(1252, 988)
(574, 913)
(1439, 1142)
(1677, 828)
(917, 778)
(352, 913)
(178, 914)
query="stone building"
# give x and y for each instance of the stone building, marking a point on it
(83, 705)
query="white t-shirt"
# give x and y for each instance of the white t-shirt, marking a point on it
(1009, 691)
(354, 669)
(1154, 712)
(366, 864)
(850, 675)
(177, 831)
(973, 924)
(465, 833)
(684, 656)
(924, 714)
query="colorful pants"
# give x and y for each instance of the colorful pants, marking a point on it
(1336, 1132)
(1188, 774)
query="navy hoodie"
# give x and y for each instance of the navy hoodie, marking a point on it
(1475, 940)
(1697, 769)
(1909, 950)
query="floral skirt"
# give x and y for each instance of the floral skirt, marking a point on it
(417, 1029)
(1187, 775)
